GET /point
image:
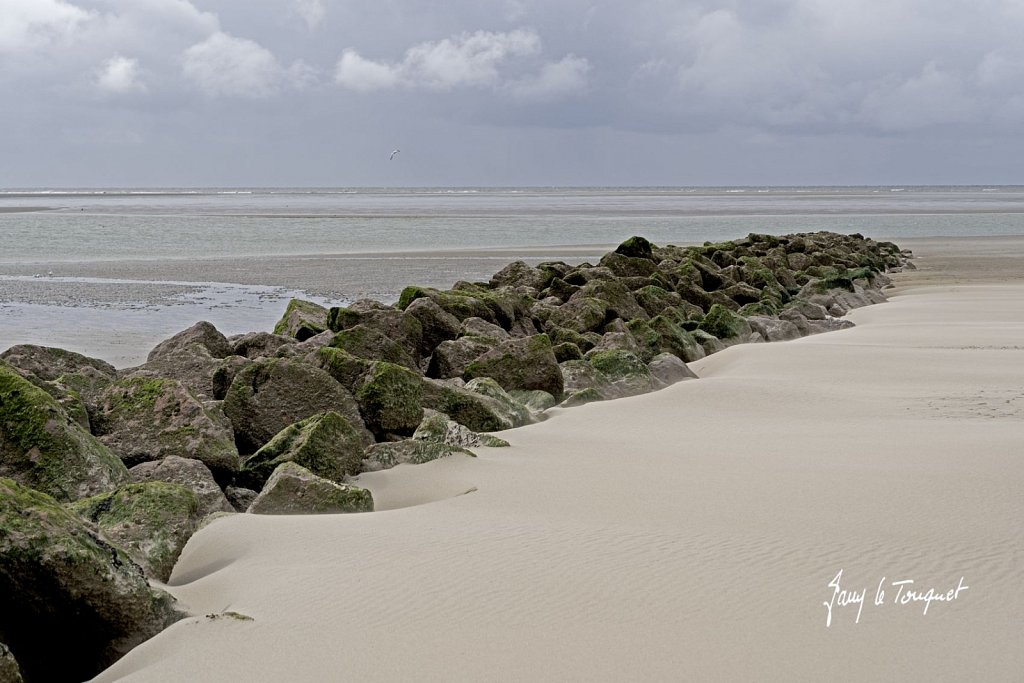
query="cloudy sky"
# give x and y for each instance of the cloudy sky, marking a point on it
(510, 92)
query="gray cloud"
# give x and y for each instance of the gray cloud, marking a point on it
(511, 91)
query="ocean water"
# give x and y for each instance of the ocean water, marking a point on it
(112, 224)
(110, 272)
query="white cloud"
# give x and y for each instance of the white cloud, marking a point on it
(120, 75)
(311, 11)
(28, 24)
(364, 75)
(555, 79)
(225, 65)
(468, 60)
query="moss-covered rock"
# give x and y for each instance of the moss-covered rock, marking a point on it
(436, 324)
(42, 447)
(10, 672)
(325, 443)
(667, 369)
(274, 393)
(566, 351)
(347, 369)
(725, 324)
(60, 583)
(302, 320)
(390, 399)
(453, 356)
(475, 411)
(527, 363)
(366, 342)
(406, 331)
(580, 314)
(253, 345)
(580, 375)
(581, 397)
(192, 474)
(150, 521)
(294, 490)
(619, 301)
(536, 401)
(520, 274)
(636, 247)
(511, 409)
(627, 373)
(439, 428)
(143, 419)
(48, 363)
(628, 266)
(384, 456)
(202, 334)
(194, 366)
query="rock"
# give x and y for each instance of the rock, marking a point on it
(773, 329)
(63, 587)
(628, 266)
(437, 427)
(347, 369)
(511, 409)
(478, 327)
(192, 474)
(519, 274)
(202, 333)
(88, 385)
(294, 490)
(41, 447)
(272, 394)
(240, 497)
(194, 366)
(437, 325)
(527, 363)
(302, 320)
(383, 456)
(390, 399)
(366, 342)
(654, 299)
(10, 672)
(403, 330)
(145, 419)
(809, 310)
(452, 357)
(580, 314)
(536, 401)
(326, 444)
(619, 301)
(636, 247)
(667, 369)
(223, 376)
(150, 521)
(580, 375)
(259, 344)
(475, 411)
(566, 351)
(581, 397)
(48, 363)
(725, 324)
(627, 373)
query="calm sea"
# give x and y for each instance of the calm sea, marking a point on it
(110, 272)
(91, 224)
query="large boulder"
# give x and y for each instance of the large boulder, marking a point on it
(49, 363)
(143, 419)
(204, 374)
(437, 325)
(579, 314)
(526, 363)
(405, 331)
(453, 356)
(726, 325)
(150, 521)
(70, 603)
(619, 301)
(192, 474)
(255, 345)
(384, 456)
(390, 399)
(511, 409)
(294, 490)
(667, 369)
(326, 444)
(366, 342)
(10, 672)
(202, 333)
(520, 274)
(347, 369)
(438, 428)
(475, 411)
(43, 448)
(302, 320)
(627, 373)
(272, 394)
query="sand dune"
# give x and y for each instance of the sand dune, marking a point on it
(689, 534)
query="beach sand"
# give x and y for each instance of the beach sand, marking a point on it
(688, 534)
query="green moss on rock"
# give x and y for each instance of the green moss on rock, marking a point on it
(302, 320)
(390, 399)
(294, 490)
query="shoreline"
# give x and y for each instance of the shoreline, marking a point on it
(688, 533)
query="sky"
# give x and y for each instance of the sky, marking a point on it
(188, 93)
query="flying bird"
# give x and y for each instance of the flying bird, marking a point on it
(393, 154)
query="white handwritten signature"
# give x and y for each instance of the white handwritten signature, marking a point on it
(906, 593)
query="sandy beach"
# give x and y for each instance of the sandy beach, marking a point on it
(696, 533)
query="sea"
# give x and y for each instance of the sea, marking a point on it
(111, 271)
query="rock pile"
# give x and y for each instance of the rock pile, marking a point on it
(279, 423)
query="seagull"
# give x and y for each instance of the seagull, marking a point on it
(393, 154)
